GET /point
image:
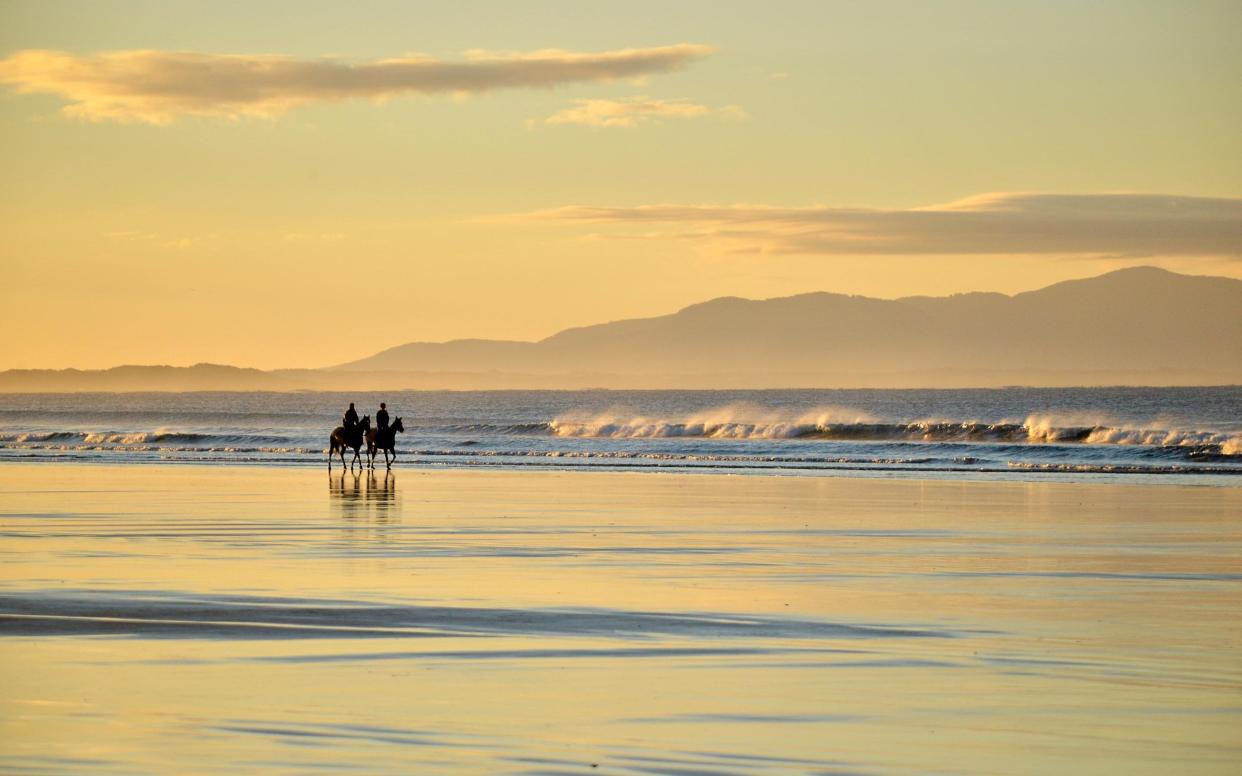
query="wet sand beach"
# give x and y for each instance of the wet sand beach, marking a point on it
(184, 618)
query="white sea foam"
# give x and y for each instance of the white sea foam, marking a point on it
(743, 421)
(733, 421)
(1117, 431)
(1097, 430)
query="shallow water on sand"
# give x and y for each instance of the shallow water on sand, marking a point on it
(197, 619)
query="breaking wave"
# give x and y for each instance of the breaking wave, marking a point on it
(1019, 431)
(731, 422)
(841, 424)
(734, 422)
(135, 438)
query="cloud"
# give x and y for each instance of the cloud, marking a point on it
(634, 111)
(1123, 225)
(158, 86)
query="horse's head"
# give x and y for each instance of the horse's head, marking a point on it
(397, 426)
(365, 425)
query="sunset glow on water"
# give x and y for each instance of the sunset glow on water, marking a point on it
(193, 618)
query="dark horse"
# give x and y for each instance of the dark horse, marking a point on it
(385, 440)
(340, 438)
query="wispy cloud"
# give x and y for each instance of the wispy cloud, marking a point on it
(635, 111)
(1124, 225)
(158, 86)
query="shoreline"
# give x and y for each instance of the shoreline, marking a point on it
(1198, 479)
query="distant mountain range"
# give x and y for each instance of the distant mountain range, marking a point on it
(1138, 326)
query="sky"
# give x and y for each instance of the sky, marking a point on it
(303, 184)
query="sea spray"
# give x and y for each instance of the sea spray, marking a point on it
(1076, 433)
(733, 421)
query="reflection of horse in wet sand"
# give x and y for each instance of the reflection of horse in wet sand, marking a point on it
(363, 498)
(385, 440)
(347, 491)
(382, 492)
(340, 438)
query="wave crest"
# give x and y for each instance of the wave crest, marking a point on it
(734, 421)
(131, 438)
(829, 423)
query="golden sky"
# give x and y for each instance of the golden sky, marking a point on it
(301, 184)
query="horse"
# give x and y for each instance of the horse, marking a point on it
(386, 441)
(340, 438)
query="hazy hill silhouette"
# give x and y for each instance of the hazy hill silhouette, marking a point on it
(1139, 326)
(1132, 321)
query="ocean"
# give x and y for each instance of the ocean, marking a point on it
(1135, 434)
(518, 595)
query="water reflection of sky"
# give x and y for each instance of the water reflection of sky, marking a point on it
(545, 622)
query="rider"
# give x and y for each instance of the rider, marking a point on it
(351, 417)
(381, 418)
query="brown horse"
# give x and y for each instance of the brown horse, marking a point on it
(385, 440)
(340, 438)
